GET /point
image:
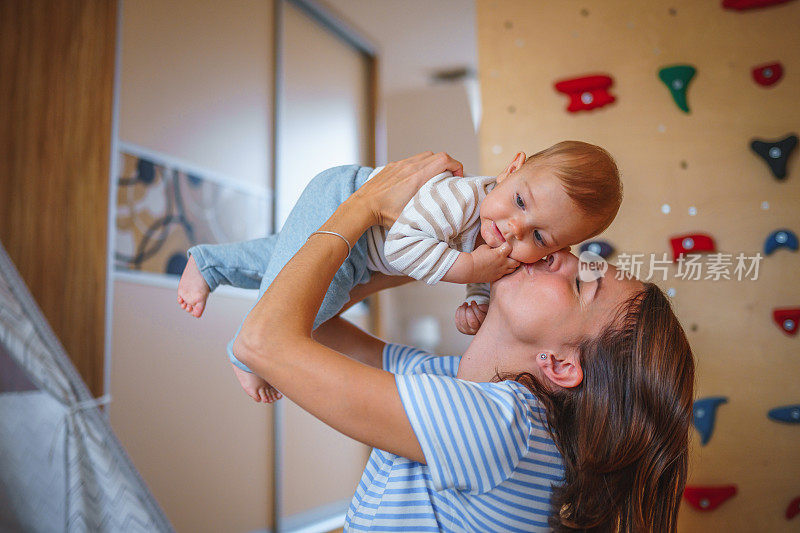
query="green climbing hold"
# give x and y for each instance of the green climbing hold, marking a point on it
(677, 79)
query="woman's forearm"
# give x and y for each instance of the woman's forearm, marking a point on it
(288, 307)
(275, 340)
(347, 338)
(378, 282)
(350, 340)
(351, 394)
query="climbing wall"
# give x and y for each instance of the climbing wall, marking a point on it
(698, 103)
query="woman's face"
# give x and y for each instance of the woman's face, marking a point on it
(546, 305)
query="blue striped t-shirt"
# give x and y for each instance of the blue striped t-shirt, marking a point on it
(490, 460)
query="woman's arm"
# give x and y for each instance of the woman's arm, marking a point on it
(347, 338)
(276, 342)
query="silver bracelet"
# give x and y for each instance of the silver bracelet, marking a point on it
(338, 235)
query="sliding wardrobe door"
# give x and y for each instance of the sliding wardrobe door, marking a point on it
(325, 117)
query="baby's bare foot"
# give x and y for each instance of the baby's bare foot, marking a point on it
(193, 290)
(255, 387)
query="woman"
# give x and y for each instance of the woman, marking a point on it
(571, 405)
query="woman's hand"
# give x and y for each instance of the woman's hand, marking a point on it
(386, 194)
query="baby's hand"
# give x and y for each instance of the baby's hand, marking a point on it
(469, 317)
(490, 264)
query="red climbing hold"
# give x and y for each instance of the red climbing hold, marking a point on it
(742, 5)
(691, 244)
(587, 92)
(767, 75)
(793, 509)
(708, 498)
(787, 319)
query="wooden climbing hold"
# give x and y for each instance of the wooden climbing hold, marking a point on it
(587, 92)
(691, 244)
(677, 78)
(787, 319)
(708, 498)
(782, 238)
(788, 414)
(775, 153)
(768, 75)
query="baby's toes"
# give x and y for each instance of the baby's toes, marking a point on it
(273, 395)
(197, 309)
(268, 392)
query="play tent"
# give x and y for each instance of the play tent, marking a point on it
(61, 466)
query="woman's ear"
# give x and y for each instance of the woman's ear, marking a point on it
(515, 165)
(563, 370)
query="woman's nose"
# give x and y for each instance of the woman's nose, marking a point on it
(564, 261)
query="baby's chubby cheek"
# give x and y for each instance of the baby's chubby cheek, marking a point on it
(526, 254)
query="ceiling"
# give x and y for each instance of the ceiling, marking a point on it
(415, 37)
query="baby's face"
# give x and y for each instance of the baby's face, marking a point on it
(530, 210)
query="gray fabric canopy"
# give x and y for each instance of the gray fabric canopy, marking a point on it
(61, 466)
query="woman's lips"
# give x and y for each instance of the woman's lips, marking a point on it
(497, 232)
(545, 263)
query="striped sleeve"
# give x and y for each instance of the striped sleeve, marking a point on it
(401, 359)
(477, 292)
(473, 435)
(418, 242)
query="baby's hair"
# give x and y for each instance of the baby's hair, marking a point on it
(589, 176)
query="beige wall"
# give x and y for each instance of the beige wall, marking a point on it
(525, 46)
(199, 442)
(197, 82)
(435, 118)
(195, 86)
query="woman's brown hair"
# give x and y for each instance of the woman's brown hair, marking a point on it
(624, 431)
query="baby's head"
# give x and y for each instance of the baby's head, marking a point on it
(558, 197)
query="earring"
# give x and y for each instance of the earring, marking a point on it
(542, 356)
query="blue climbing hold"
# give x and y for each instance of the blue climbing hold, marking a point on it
(601, 248)
(705, 411)
(782, 238)
(789, 414)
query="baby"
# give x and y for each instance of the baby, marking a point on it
(471, 230)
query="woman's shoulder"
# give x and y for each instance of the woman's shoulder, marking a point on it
(403, 359)
(406, 360)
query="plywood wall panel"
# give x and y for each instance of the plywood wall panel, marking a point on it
(700, 159)
(56, 94)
